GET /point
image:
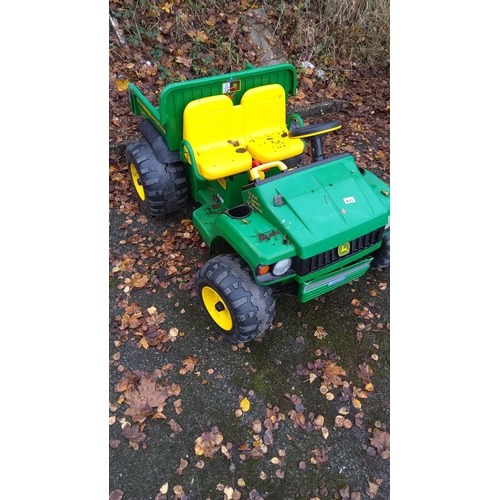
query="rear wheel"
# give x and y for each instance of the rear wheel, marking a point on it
(161, 188)
(237, 307)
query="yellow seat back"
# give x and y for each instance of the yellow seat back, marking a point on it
(213, 128)
(264, 124)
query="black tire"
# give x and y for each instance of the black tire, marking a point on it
(382, 256)
(160, 188)
(236, 306)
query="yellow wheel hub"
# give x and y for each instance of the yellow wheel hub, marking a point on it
(217, 308)
(136, 180)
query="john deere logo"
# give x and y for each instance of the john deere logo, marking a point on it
(344, 249)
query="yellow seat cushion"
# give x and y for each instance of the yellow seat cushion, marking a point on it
(264, 124)
(213, 128)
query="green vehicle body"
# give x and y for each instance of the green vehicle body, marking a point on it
(329, 217)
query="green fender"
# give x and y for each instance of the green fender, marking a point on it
(253, 237)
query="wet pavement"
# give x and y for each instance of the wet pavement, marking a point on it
(297, 440)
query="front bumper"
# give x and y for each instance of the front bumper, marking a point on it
(319, 286)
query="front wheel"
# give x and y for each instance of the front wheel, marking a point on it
(237, 307)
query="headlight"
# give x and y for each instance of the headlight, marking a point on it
(282, 267)
(388, 225)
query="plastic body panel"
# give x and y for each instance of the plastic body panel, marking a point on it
(322, 206)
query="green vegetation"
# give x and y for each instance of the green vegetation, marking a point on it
(212, 37)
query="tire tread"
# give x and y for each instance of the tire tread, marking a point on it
(165, 185)
(252, 306)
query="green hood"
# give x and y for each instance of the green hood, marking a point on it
(321, 206)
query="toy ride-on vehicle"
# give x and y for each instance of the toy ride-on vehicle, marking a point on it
(272, 224)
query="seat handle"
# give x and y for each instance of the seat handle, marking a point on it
(258, 171)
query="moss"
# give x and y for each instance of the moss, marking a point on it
(262, 380)
(113, 281)
(267, 381)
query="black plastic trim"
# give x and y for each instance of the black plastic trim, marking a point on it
(318, 128)
(157, 143)
(303, 267)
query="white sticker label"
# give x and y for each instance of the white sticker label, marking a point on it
(349, 200)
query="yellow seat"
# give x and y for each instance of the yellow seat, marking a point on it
(264, 124)
(212, 127)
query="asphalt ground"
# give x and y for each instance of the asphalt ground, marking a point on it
(309, 451)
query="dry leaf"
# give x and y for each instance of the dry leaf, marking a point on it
(372, 489)
(319, 420)
(209, 443)
(347, 423)
(332, 373)
(142, 400)
(116, 495)
(122, 85)
(245, 404)
(134, 435)
(344, 492)
(320, 332)
(174, 426)
(356, 403)
(382, 442)
(186, 61)
(183, 464)
(189, 365)
(179, 490)
(167, 6)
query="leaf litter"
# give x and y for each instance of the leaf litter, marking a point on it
(156, 264)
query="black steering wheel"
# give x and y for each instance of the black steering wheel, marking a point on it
(316, 129)
(315, 132)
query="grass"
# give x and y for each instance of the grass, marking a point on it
(356, 30)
